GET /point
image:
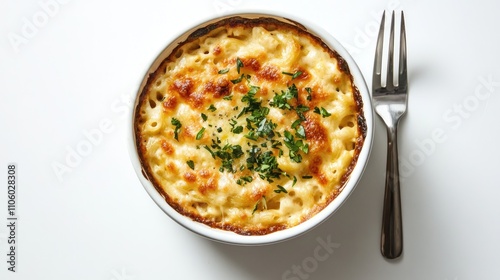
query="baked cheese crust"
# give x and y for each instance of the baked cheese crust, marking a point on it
(250, 125)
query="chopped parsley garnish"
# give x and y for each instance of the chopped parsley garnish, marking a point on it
(261, 201)
(239, 64)
(175, 122)
(212, 108)
(243, 180)
(323, 112)
(253, 90)
(266, 129)
(309, 93)
(255, 207)
(299, 129)
(209, 150)
(227, 154)
(234, 128)
(237, 130)
(253, 103)
(300, 132)
(280, 189)
(307, 177)
(294, 75)
(261, 157)
(264, 163)
(280, 101)
(223, 71)
(199, 135)
(276, 144)
(301, 109)
(257, 123)
(264, 204)
(190, 163)
(252, 135)
(235, 81)
(295, 147)
(296, 123)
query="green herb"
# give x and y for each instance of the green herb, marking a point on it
(309, 93)
(239, 64)
(280, 101)
(266, 128)
(253, 103)
(307, 177)
(280, 189)
(294, 75)
(251, 135)
(296, 123)
(244, 180)
(300, 132)
(295, 146)
(301, 109)
(275, 144)
(235, 81)
(323, 112)
(219, 129)
(299, 129)
(199, 135)
(190, 163)
(212, 108)
(227, 154)
(261, 201)
(264, 163)
(215, 143)
(223, 71)
(227, 97)
(294, 181)
(255, 207)
(178, 126)
(204, 117)
(209, 150)
(237, 130)
(253, 90)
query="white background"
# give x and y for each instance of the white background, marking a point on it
(71, 69)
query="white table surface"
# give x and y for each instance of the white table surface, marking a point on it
(72, 67)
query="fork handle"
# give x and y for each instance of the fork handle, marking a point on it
(392, 226)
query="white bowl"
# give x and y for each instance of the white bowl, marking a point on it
(229, 236)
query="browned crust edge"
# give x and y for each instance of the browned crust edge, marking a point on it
(234, 22)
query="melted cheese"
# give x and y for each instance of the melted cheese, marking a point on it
(200, 74)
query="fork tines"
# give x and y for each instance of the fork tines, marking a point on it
(377, 71)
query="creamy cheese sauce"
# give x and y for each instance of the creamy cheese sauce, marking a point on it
(251, 127)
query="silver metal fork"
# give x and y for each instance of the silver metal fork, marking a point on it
(390, 103)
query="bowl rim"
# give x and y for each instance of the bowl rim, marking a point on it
(229, 237)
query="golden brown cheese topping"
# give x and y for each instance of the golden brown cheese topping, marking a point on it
(250, 125)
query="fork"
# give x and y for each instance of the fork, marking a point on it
(390, 103)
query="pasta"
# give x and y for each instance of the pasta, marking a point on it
(250, 125)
